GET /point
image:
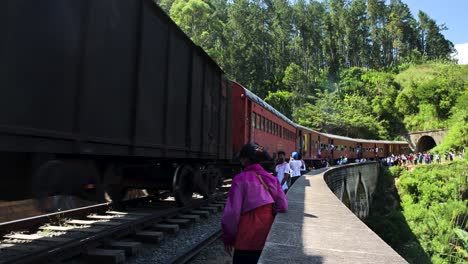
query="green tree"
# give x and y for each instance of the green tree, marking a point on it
(198, 20)
(433, 43)
(281, 101)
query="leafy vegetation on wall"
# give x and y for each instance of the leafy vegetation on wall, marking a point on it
(427, 219)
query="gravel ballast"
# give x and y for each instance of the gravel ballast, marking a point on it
(172, 245)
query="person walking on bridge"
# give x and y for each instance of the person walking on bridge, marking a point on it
(255, 195)
(295, 166)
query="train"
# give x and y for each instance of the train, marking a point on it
(101, 96)
(256, 121)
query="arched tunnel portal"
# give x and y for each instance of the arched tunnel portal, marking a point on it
(425, 143)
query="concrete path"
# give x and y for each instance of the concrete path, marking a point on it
(318, 228)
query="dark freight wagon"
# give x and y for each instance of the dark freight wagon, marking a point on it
(104, 95)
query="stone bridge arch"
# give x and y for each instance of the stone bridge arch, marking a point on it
(421, 141)
(354, 185)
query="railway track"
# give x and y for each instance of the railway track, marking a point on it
(187, 255)
(107, 233)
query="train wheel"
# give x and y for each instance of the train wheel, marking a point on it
(50, 190)
(88, 184)
(57, 184)
(206, 180)
(214, 179)
(182, 185)
(114, 189)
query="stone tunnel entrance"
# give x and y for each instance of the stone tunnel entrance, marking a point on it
(425, 143)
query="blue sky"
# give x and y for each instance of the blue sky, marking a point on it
(454, 13)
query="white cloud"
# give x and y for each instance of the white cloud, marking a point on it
(462, 55)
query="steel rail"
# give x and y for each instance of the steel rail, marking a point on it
(80, 245)
(186, 256)
(34, 222)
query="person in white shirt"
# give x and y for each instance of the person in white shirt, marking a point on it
(282, 173)
(303, 168)
(295, 167)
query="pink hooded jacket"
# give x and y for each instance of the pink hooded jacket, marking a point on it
(247, 193)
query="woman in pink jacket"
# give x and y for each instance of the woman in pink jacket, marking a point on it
(254, 197)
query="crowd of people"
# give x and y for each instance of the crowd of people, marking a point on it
(289, 171)
(421, 158)
(410, 159)
(256, 195)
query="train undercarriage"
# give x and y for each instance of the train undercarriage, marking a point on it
(98, 179)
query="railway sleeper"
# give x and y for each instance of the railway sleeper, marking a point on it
(202, 213)
(166, 228)
(72, 229)
(177, 221)
(192, 217)
(130, 247)
(93, 222)
(36, 237)
(149, 236)
(211, 209)
(110, 256)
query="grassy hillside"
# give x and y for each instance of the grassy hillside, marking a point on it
(428, 94)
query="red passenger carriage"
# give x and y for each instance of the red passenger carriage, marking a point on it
(255, 121)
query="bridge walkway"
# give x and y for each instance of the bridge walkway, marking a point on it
(318, 228)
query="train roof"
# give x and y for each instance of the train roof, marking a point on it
(360, 140)
(270, 108)
(264, 104)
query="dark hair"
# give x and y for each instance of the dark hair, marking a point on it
(254, 153)
(281, 152)
(299, 156)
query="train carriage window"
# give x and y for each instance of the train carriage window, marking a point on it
(268, 126)
(275, 130)
(257, 122)
(253, 119)
(262, 123)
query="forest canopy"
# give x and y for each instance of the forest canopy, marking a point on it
(362, 68)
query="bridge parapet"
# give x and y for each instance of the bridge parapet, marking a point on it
(319, 228)
(354, 185)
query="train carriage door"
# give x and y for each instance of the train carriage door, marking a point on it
(250, 130)
(305, 145)
(300, 142)
(319, 148)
